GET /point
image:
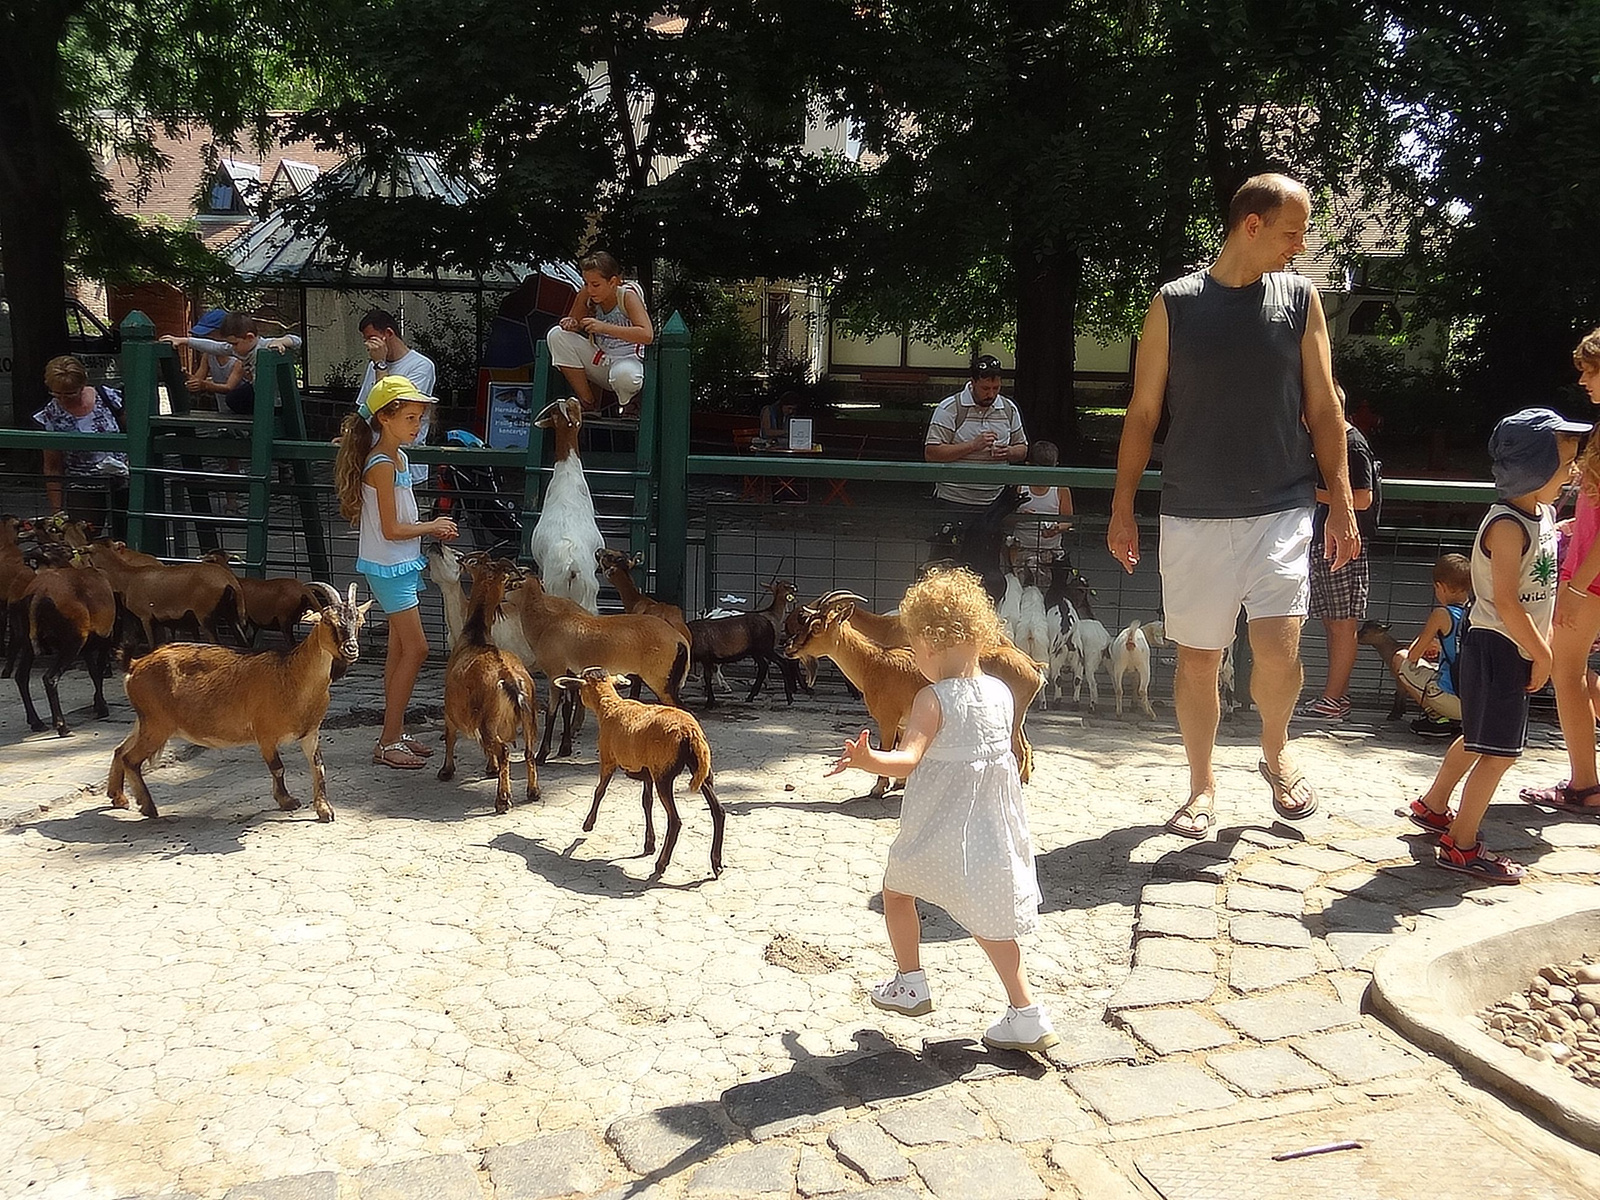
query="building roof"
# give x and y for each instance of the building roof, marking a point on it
(281, 249)
(173, 192)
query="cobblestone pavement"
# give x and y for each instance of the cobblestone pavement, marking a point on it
(425, 999)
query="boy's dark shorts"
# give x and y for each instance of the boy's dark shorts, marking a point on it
(242, 400)
(1493, 684)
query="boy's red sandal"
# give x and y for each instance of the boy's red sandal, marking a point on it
(1478, 862)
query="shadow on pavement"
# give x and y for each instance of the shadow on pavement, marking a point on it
(588, 876)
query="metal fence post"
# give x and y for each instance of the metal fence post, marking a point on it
(140, 403)
(672, 537)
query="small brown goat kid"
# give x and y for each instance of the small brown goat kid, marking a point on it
(488, 693)
(653, 744)
(218, 696)
(276, 603)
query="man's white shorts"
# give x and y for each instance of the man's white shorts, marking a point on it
(622, 374)
(1209, 568)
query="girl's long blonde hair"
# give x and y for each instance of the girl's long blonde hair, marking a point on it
(1587, 354)
(356, 439)
(950, 606)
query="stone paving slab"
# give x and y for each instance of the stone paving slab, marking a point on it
(980, 1172)
(1256, 968)
(1245, 897)
(759, 1171)
(930, 1122)
(1027, 1110)
(1089, 1043)
(655, 1140)
(1175, 954)
(865, 1148)
(1121, 1094)
(1353, 949)
(1173, 921)
(443, 1177)
(1239, 1166)
(1149, 986)
(317, 1185)
(1177, 1030)
(556, 1164)
(784, 1104)
(1318, 858)
(1376, 848)
(1190, 894)
(1254, 930)
(1286, 1014)
(1279, 874)
(878, 1079)
(819, 1175)
(1266, 1070)
(1357, 1055)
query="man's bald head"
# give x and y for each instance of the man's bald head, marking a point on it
(1262, 196)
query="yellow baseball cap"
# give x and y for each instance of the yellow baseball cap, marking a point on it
(389, 389)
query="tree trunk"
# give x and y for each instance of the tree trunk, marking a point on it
(33, 219)
(1047, 303)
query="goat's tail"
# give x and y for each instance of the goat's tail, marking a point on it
(676, 676)
(514, 690)
(1132, 631)
(698, 751)
(230, 611)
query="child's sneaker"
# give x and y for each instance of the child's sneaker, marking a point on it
(1423, 817)
(1436, 727)
(1022, 1029)
(1324, 709)
(906, 993)
(1478, 862)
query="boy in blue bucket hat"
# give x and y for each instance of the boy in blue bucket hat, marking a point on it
(209, 368)
(1505, 650)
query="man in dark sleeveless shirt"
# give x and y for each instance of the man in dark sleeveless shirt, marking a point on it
(1238, 354)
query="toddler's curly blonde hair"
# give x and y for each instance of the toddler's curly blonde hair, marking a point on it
(950, 606)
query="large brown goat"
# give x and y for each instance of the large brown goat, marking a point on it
(66, 610)
(206, 593)
(889, 679)
(554, 635)
(219, 696)
(488, 693)
(653, 744)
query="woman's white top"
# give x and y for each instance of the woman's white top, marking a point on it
(964, 842)
(376, 554)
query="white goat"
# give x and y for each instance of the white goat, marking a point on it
(1130, 653)
(1031, 632)
(566, 540)
(1089, 645)
(1010, 607)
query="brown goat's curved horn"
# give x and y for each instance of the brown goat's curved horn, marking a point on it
(329, 594)
(836, 598)
(566, 681)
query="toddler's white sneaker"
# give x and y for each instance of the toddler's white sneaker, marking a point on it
(906, 993)
(1022, 1029)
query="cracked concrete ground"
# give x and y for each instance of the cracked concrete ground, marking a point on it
(229, 994)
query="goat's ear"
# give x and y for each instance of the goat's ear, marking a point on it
(618, 681)
(636, 561)
(314, 617)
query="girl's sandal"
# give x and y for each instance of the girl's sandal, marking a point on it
(397, 756)
(416, 747)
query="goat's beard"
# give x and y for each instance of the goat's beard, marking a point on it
(336, 672)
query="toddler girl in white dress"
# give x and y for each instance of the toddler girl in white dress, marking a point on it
(963, 842)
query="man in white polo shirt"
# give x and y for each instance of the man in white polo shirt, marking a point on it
(979, 425)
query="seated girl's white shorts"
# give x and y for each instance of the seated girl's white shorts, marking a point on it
(1209, 568)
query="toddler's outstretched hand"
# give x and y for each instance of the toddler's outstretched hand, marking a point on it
(850, 755)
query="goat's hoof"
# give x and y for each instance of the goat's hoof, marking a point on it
(588, 826)
(288, 803)
(119, 802)
(502, 806)
(38, 726)
(102, 711)
(533, 794)
(63, 731)
(447, 772)
(325, 815)
(148, 810)
(716, 870)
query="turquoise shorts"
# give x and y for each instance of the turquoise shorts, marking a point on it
(395, 593)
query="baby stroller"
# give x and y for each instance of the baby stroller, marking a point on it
(473, 497)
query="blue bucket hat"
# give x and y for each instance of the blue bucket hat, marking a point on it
(208, 323)
(1523, 450)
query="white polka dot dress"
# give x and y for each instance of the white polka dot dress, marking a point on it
(963, 842)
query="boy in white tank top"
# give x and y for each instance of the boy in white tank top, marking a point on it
(1505, 651)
